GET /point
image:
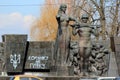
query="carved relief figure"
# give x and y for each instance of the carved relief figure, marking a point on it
(98, 65)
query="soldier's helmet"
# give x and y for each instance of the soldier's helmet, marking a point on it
(63, 6)
(85, 16)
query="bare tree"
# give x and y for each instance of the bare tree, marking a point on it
(45, 27)
(114, 11)
(99, 5)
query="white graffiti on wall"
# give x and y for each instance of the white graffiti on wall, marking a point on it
(37, 64)
(15, 60)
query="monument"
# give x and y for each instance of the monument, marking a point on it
(62, 57)
(87, 58)
(84, 54)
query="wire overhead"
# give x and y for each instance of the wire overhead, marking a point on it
(29, 4)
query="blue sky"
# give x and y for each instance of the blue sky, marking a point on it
(18, 19)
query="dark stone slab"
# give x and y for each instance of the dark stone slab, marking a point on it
(15, 55)
(15, 48)
(117, 51)
(39, 55)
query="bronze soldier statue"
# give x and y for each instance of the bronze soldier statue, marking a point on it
(84, 30)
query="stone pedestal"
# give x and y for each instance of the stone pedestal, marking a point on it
(15, 48)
